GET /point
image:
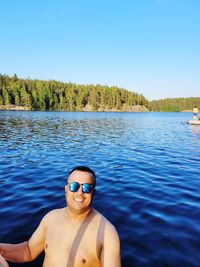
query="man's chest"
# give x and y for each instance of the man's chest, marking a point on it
(74, 246)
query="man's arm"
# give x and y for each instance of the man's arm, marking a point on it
(28, 250)
(110, 254)
(15, 252)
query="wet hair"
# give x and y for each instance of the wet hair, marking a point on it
(83, 169)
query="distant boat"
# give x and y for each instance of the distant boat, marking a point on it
(194, 122)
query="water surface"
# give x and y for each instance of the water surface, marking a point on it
(148, 178)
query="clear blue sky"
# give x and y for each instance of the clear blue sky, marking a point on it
(151, 47)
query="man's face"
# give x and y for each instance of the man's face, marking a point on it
(79, 202)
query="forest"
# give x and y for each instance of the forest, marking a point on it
(174, 104)
(57, 95)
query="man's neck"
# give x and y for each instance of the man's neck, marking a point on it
(78, 217)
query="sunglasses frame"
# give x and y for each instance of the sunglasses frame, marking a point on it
(92, 187)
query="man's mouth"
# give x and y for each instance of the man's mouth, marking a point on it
(79, 199)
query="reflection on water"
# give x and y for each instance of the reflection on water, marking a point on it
(195, 129)
(148, 185)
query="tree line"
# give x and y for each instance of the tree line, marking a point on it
(56, 95)
(174, 104)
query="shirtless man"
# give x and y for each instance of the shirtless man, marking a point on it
(195, 113)
(74, 236)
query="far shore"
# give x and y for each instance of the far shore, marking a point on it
(136, 108)
(13, 107)
(88, 108)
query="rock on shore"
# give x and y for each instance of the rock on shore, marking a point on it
(135, 108)
(13, 107)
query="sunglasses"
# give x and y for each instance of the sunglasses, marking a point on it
(86, 188)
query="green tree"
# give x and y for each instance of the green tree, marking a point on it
(5, 96)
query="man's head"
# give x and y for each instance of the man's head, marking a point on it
(80, 189)
(83, 169)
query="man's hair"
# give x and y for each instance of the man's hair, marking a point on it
(84, 169)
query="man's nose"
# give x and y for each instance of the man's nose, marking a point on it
(80, 190)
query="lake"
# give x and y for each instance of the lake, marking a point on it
(148, 178)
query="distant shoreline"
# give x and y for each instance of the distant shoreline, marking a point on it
(136, 108)
(13, 107)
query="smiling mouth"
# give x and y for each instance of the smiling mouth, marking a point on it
(79, 199)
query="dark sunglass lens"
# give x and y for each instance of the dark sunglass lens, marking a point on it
(87, 188)
(73, 187)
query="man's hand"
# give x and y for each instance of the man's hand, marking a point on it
(3, 262)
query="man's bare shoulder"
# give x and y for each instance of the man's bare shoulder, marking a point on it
(54, 215)
(104, 221)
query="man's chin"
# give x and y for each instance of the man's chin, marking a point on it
(79, 210)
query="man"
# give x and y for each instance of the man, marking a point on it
(195, 113)
(74, 236)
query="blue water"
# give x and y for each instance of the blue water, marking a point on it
(148, 178)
